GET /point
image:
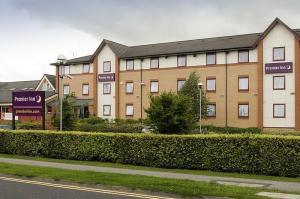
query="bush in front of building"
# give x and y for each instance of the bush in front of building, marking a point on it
(96, 124)
(255, 154)
(231, 130)
(30, 125)
(170, 113)
(68, 115)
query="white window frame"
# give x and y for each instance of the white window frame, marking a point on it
(275, 84)
(131, 66)
(106, 66)
(180, 86)
(211, 58)
(129, 110)
(240, 85)
(282, 57)
(241, 54)
(65, 89)
(154, 86)
(215, 110)
(109, 110)
(208, 89)
(104, 89)
(154, 62)
(85, 89)
(180, 59)
(86, 68)
(129, 90)
(276, 115)
(240, 114)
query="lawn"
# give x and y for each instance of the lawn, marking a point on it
(174, 186)
(126, 166)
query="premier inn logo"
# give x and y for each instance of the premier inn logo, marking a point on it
(284, 67)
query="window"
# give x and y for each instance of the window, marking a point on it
(243, 83)
(278, 110)
(180, 84)
(211, 84)
(211, 58)
(106, 110)
(243, 56)
(243, 110)
(129, 87)
(129, 109)
(211, 110)
(279, 54)
(4, 109)
(154, 62)
(66, 89)
(154, 86)
(106, 66)
(65, 70)
(130, 64)
(86, 68)
(106, 88)
(181, 60)
(278, 82)
(85, 89)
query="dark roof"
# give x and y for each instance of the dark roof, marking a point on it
(79, 60)
(52, 79)
(6, 89)
(192, 46)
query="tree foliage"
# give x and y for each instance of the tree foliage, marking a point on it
(191, 90)
(69, 118)
(170, 113)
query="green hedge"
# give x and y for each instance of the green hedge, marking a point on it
(231, 130)
(258, 154)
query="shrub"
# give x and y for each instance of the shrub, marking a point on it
(68, 114)
(231, 130)
(256, 154)
(29, 125)
(96, 124)
(170, 113)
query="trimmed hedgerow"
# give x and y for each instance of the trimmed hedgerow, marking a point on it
(231, 130)
(257, 154)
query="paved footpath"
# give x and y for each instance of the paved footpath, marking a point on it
(269, 184)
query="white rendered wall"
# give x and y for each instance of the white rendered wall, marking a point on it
(279, 37)
(106, 54)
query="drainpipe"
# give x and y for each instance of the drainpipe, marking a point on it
(141, 84)
(226, 89)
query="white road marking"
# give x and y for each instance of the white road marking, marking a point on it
(279, 195)
(62, 186)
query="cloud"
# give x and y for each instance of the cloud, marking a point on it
(37, 30)
(139, 21)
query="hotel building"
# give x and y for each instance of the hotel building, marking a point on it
(251, 80)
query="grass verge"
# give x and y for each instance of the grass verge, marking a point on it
(174, 186)
(125, 166)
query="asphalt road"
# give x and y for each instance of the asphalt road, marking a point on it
(18, 188)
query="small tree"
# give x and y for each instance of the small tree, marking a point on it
(69, 118)
(170, 113)
(191, 89)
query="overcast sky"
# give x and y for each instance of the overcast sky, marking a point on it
(34, 32)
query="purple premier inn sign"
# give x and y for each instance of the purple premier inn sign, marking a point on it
(28, 103)
(108, 77)
(283, 67)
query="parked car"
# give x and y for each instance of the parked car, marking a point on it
(5, 127)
